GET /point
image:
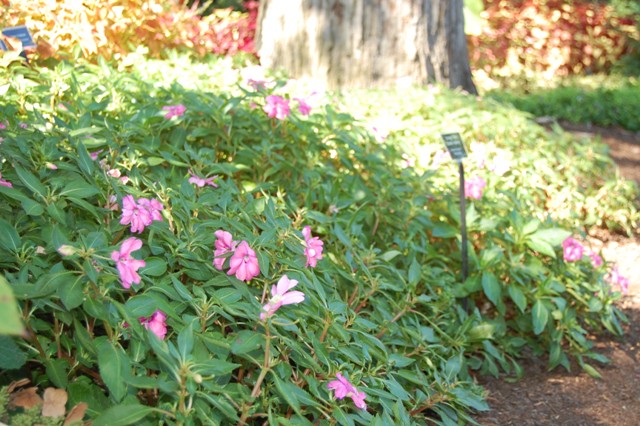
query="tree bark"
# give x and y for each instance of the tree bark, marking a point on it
(366, 43)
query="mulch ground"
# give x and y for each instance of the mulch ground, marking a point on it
(574, 398)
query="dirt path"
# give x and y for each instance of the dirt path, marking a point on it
(561, 398)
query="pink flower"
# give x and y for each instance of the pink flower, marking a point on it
(224, 244)
(174, 111)
(200, 182)
(157, 323)
(596, 260)
(277, 107)
(343, 388)
(153, 206)
(313, 247)
(244, 263)
(473, 187)
(126, 264)
(94, 155)
(135, 214)
(23, 125)
(51, 166)
(280, 295)
(3, 125)
(5, 183)
(257, 84)
(614, 278)
(572, 250)
(114, 173)
(303, 106)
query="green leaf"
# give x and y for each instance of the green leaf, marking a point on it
(286, 391)
(540, 316)
(481, 331)
(58, 371)
(444, 230)
(492, 288)
(11, 356)
(31, 182)
(185, 341)
(122, 415)
(415, 272)
(553, 236)
(113, 364)
(390, 255)
(246, 341)
(541, 247)
(518, 297)
(10, 319)
(154, 267)
(591, 371)
(531, 227)
(216, 367)
(71, 292)
(31, 207)
(9, 238)
(85, 162)
(85, 131)
(78, 188)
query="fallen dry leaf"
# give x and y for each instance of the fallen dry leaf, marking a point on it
(76, 414)
(25, 398)
(54, 402)
(17, 384)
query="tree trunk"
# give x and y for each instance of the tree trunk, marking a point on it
(366, 43)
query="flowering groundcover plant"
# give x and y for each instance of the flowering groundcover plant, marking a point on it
(317, 257)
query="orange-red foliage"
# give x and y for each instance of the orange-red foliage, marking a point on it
(116, 27)
(550, 36)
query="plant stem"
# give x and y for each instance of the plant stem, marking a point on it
(266, 366)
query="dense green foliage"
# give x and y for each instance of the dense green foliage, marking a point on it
(599, 100)
(383, 306)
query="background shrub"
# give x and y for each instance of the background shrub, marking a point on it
(528, 38)
(114, 28)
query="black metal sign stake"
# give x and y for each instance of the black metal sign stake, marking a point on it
(456, 148)
(463, 225)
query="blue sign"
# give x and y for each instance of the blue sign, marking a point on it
(21, 33)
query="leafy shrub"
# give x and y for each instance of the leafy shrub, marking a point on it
(190, 343)
(586, 100)
(114, 28)
(526, 38)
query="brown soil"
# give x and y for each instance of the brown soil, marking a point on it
(574, 398)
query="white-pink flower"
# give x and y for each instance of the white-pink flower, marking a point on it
(5, 182)
(474, 186)
(244, 263)
(303, 106)
(156, 323)
(126, 264)
(614, 277)
(280, 295)
(140, 214)
(200, 182)
(224, 244)
(277, 107)
(174, 111)
(313, 247)
(343, 388)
